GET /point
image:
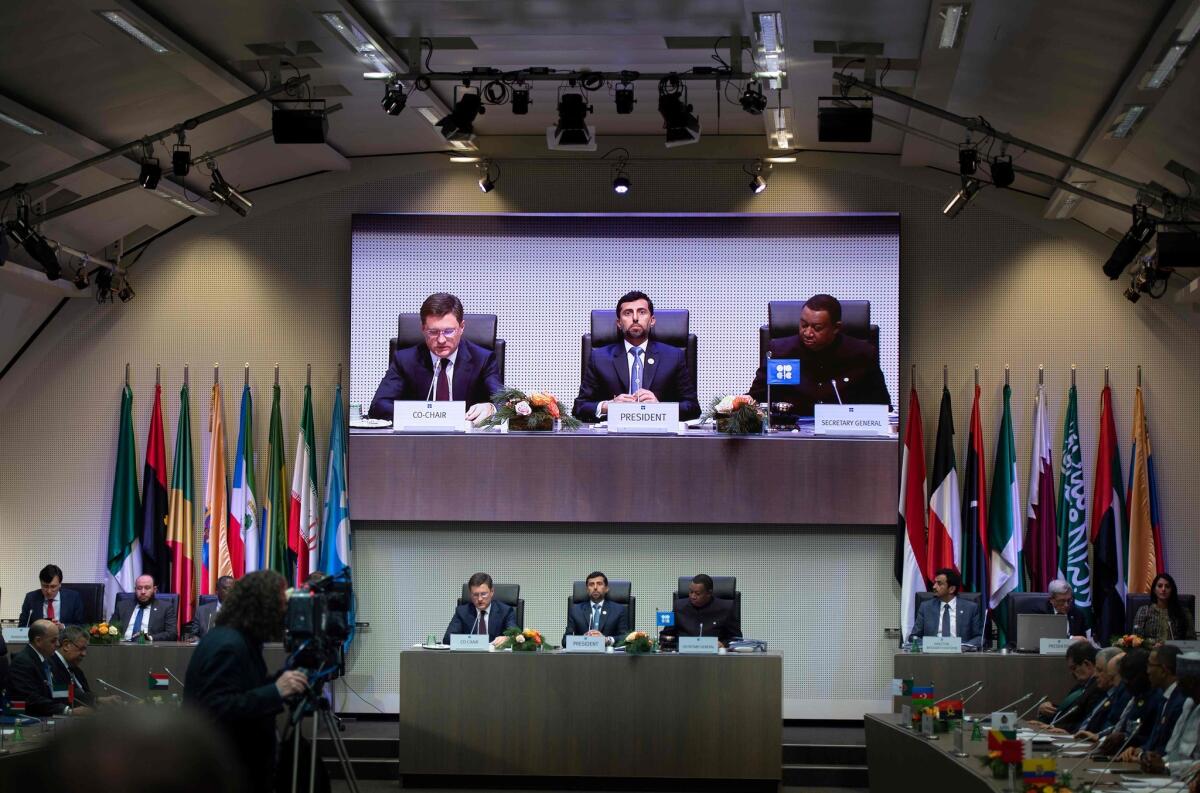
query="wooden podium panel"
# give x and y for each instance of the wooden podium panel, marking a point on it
(1006, 677)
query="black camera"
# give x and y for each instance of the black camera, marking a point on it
(317, 624)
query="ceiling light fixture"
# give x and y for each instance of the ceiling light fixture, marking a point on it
(181, 158)
(1141, 231)
(150, 171)
(360, 44)
(681, 125)
(968, 159)
(623, 97)
(1166, 66)
(952, 18)
(970, 188)
(784, 159)
(126, 25)
(752, 99)
(459, 123)
(1002, 170)
(487, 181)
(463, 158)
(759, 170)
(21, 125)
(226, 194)
(768, 29)
(1125, 123)
(572, 132)
(394, 98)
(520, 98)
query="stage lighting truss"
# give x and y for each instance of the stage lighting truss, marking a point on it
(572, 132)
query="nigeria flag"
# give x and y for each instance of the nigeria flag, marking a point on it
(1072, 513)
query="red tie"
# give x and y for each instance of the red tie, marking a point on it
(50, 610)
(443, 384)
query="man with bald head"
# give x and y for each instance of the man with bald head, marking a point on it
(33, 678)
(146, 615)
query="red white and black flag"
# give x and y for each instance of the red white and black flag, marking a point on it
(912, 548)
(945, 530)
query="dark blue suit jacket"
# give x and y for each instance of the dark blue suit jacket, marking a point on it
(665, 372)
(1165, 723)
(502, 618)
(70, 608)
(614, 620)
(474, 377)
(969, 621)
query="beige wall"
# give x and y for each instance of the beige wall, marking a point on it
(996, 286)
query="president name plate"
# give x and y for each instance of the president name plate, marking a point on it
(1054, 646)
(651, 418)
(585, 644)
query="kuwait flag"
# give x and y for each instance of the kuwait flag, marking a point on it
(303, 517)
(1004, 523)
(159, 680)
(215, 561)
(243, 506)
(180, 535)
(124, 554)
(1072, 512)
(1109, 541)
(975, 554)
(154, 499)
(910, 527)
(275, 511)
(1146, 554)
(1041, 535)
(945, 531)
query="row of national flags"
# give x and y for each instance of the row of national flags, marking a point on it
(282, 528)
(997, 547)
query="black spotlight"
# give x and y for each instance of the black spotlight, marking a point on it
(181, 159)
(1140, 232)
(970, 188)
(681, 124)
(40, 250)
(225, 193)
(759, 173)
(623, 97)
(968, 161)
(487, 182)
(104, 278)
(520, 99)
(126, 291)
(1002, 171)
(81, 277)
(459, 124)
(572, 131)
(394, 99)
(150, 174)
(621, 184)
(752, 99)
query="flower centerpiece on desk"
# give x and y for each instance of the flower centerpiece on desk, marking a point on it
(638, 643)
(1132, 640)
(736, 415)
(103, 633)
(536, 411)
(523, 640)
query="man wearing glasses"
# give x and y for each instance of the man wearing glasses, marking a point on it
(34, 678)
(446, 367)
(72, 649)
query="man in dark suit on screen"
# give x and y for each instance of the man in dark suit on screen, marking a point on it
(636, 369)
(834, 368)
(700, 614)
(598, 616)
(51, 601)
(483, 614)
(948, 614)
(446, 367)
(145, 614)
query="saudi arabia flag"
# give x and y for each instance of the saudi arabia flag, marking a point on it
(1072, 513)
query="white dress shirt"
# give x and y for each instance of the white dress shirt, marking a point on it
(133, 618)
(57, 601)
(953, 604)
(1182, 743)
(602, 408)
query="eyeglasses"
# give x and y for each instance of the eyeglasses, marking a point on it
(448, 334)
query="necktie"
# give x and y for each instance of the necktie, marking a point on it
(443, 384)
(635, 378)
(137, 622)
(49, 675)
(945, 619)
(483, 623)
(595, 616)
(50, 610)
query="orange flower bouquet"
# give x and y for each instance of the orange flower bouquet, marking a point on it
(523, 640)
(536, 411)
(638, 643)
(103, 633)
(736, 415)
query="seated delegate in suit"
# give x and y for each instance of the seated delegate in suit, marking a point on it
(1062, 601)
(598, 616)
(636, 369)
(33, 677)
(72, 649)
(1161, 670)
(1145, 704)
(1067, 714)
(700, 614)
(51, 601)
(205, 615)
(948, 614)
(145, 614)
(1164, 618)
(467, 372)
(1177, 753)
(483, 614)
(826, 356)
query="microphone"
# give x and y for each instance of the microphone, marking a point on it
(478, 617)
(1015, 702)
(967, 699)
(769, 356)
(437, 367)
(833, 382)
(1065, 712)
(1133, 730)
(952, 694)
(1031, 707)
(172, 674)
(111, 687)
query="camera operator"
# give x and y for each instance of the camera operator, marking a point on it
(227, 677)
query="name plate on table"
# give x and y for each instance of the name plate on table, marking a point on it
(654, 418)
(409, 416)
(851, 420)
(585, 644)
(1054, 646)
(698, 645)
(472, 642)
(941, 644)
(1184, 645)
(14, 634)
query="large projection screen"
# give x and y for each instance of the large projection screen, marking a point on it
(542, 275)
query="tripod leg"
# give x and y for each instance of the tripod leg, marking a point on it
(295, 754)
(343, 754)
(312, 751)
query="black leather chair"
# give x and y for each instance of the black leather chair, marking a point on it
(671, 326)
(783, 319)
(618, 592)
(166, 597)
(481, 330)
(508, 594)
(1134, 601)
(92, 596)
(724, 588)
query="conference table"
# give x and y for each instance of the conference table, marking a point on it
(701, 476)
(1006, 677)
(563, 716)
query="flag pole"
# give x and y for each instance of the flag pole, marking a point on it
(1106, 377)
(1139, 375)
(1041, 375)
(945, 377)
(277, 374)
(216, 374)
(185, 375)
(1006, 374)
(308, 376)
(126, 374)
(977, 375)
(247, 383)
(158, 374)
(340, 375)
(1072, 375)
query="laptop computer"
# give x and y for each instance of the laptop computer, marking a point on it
(1032, 628)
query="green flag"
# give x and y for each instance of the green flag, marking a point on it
(275, 519)
(1004, 523)
(124, 520)
(1072, 513)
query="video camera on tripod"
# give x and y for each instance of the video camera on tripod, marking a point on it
(317, 624)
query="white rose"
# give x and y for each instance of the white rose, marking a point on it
(520, 639)
(725, 405)
(523, 408)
